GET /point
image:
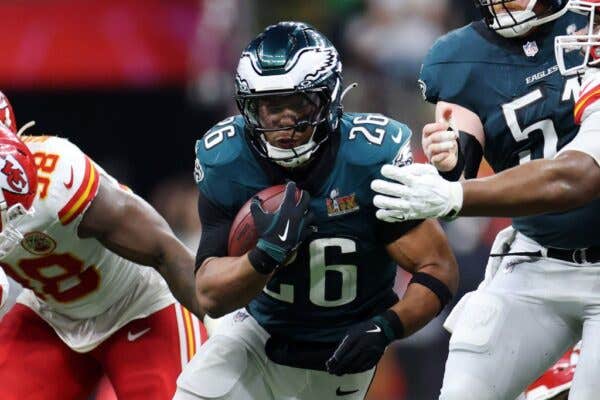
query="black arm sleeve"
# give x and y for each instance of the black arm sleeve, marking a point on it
(215, 231)
(473, 154)
(470, 154)
(388, 232)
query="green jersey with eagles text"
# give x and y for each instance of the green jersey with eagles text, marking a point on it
(342, 273)
(525, 105)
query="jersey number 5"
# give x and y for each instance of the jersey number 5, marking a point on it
(545, 126)
(319, 271)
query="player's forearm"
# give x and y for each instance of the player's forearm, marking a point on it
(225, 284)
(421, 304)
(540, 186)
(176, 266)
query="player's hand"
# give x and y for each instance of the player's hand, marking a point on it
(416, 191)
(360, 350)
(439, 142)
(280, 233)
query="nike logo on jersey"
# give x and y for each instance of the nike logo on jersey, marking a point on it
(69, 184)
(398, 138)
(285, 231)
(340, 392)
(376, 330)
(135, 336)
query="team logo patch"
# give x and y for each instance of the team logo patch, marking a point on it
(12, 176)
(38, 243)
(198, 172)
(530, 49)
(340, 205)
(423, 87)
(403, 157)
(240, 316)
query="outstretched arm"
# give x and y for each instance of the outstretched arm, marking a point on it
(540, 186)
(131, 228)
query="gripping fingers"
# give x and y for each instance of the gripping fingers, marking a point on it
(256, 207)
(390, 188)
(431, 128)
(289, 200)
(304, 201)
(443, 147)
(409, 174)
(392, 215)
(443, 136)
(391, 203)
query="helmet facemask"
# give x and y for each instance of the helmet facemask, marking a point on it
(516, 23)
(11, 217)
(280, 121)
(584, 42)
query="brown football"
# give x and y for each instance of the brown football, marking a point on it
(243, 235)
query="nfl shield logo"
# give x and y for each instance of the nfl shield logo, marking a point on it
(531, 49)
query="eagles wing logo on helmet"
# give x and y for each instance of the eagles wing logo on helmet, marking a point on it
(309, 65)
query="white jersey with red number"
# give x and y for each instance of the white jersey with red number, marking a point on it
(83, 290)
(587, 114)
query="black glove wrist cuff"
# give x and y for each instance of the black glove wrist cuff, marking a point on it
(392, 327)
(432, 283)
(261, 261)
(454, 174)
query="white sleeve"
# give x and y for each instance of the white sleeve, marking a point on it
(9, 290)
(588, 139)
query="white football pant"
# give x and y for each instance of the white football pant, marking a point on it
(232, 365)
(515, 327)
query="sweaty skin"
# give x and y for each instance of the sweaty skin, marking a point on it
(282, 111)
(128, 226)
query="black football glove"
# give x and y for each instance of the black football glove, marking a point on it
(364, 344)
(280, 233)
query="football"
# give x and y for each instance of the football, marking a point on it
(243, 235)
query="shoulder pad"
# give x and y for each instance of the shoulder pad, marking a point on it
(225, 167)
(451, 47)
(374, 139)
(222, 143)
(68, 180)
(448, 66)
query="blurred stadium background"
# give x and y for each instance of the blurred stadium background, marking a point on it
(136, 82)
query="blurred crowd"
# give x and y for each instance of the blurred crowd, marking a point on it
(150, 147)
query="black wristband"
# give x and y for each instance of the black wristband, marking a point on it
(435, 285)
(454, 174)
(392, 326)
(261, 261)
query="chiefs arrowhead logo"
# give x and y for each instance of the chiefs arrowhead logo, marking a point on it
(12, 175)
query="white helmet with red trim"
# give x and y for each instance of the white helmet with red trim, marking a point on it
(18, 187)
(7, 116)
(584, 42)
(557, 379)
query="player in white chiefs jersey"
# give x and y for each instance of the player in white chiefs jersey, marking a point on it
(77, 240)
